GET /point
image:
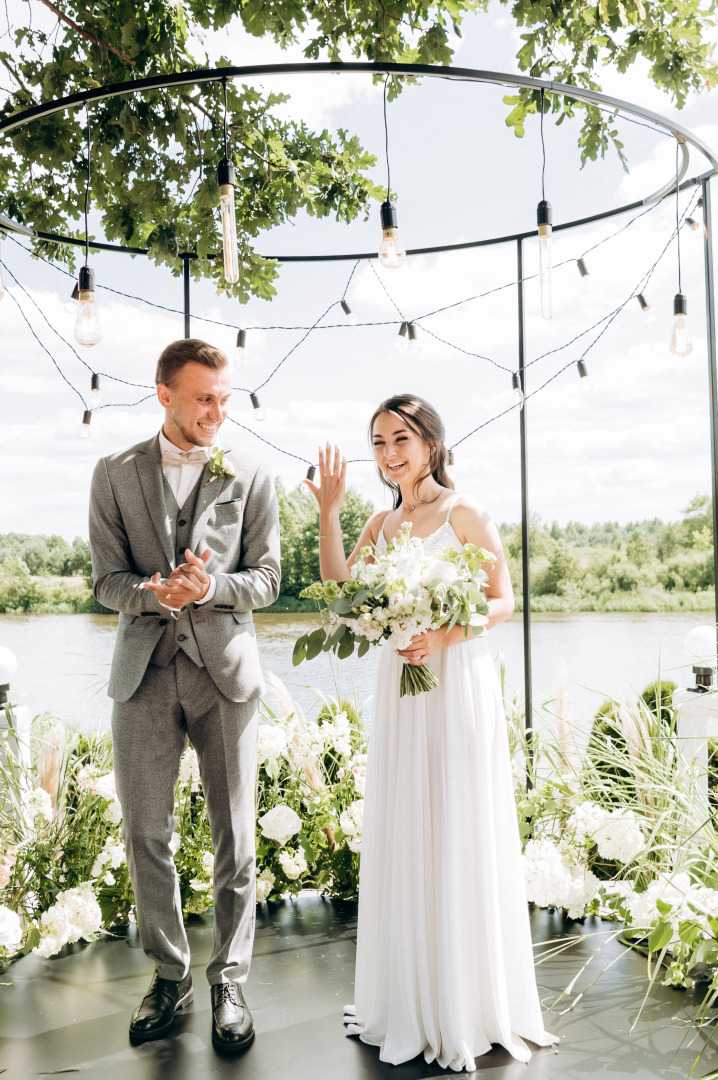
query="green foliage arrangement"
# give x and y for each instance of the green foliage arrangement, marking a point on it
(155, 154)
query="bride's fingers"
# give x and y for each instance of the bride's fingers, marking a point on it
(312, 487)
(337, 460)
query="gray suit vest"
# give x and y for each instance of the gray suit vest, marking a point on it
(179, 633)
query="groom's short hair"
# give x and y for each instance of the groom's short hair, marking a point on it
(187, 351)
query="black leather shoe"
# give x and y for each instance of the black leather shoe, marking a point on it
(232, 1025)
(155, 1014)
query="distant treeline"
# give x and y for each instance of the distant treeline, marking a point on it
(642, 566)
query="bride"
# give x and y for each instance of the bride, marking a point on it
(444, 955)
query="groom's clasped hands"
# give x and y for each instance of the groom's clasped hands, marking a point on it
(187, 584)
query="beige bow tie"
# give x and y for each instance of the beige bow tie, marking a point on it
(187, 457)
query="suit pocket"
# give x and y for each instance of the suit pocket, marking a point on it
(242, 617)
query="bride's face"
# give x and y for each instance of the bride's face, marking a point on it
(399, 452)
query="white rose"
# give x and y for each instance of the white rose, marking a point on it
(10, 927)
(439, 570)
(175, 843)
(207, 861)
(280, 823)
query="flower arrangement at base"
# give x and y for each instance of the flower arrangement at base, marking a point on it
(393, 597)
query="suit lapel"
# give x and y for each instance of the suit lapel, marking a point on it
(149, 471)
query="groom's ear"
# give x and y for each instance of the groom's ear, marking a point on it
(164, 395)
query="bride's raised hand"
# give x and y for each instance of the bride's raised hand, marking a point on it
(332, 474)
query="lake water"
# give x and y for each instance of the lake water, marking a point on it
(63, 660)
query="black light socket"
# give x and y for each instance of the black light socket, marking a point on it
(311, 471)
(345, 307)
(412, 331)
(255, 401)
(86, 418)
(543, 213)
(582, 369)
(86, 282)
(515, 381)
(582, 268)
(241, 339)
(679, 304)
(388, 216)
(451, 457)
(95, 383)
(403, 329)
(75, 292)
(225, 172)
(645, 306)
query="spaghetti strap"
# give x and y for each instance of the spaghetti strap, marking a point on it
(380, 534)
(452, 504)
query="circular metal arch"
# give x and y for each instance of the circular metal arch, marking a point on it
(604, 102)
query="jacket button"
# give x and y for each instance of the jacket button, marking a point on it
(163, 622)
(182, 522)
(181, 637)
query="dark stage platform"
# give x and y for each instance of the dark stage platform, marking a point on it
(69, 1015)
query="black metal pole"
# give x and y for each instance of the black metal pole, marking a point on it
(185, 274)
(712, 373)
(525, 550)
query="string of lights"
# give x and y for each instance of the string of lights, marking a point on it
(333, 326)
(603, 323)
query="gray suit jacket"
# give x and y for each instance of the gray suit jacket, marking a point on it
(131, 539)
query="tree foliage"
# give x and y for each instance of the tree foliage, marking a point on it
(154, 154)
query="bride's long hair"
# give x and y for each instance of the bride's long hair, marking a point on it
(424, 421)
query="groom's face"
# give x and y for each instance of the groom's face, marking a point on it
(196, 405)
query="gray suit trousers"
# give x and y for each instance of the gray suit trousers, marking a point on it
(149, 733)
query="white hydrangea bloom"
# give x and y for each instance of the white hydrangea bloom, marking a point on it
(74, 915)
(109, 878)
(175, 843)
(113, 853)
(264, 886)
(586, 818)
(351, 819)
(552, 880)
(208, 862)
(10, 928)
(619, 836)
(337, 733)
(38, 804)
(292, 863)
(199, 886)
(113, 812)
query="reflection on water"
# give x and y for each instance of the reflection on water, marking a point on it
(63, 660)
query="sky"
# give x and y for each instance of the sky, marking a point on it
(635, 446)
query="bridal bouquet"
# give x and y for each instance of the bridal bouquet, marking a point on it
(395, 596)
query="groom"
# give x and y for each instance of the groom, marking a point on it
(184, 545)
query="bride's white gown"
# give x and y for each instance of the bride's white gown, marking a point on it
(444, 957)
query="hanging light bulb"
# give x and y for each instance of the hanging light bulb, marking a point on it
(518, 392)
(681, 341)
(692, 224)
(225, 179)
(451, 457)
(87, 324)
(648, 313)
(311, 472)
(259, 413)
(391, 251)
(582, 268)
(348, 312)
(414, 343)
(84, 429)
(70, 305)
(543, 216)
(240, 351)
(401, 340)
(95, 395)
(584, 382)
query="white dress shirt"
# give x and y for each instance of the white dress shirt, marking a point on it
(181, 479)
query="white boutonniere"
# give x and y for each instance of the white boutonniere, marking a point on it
(219, 468)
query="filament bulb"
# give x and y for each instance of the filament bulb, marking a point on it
(584, 380)
(349, 313)
(518, 392)
(240, 351)
(95, 394)
(401, 339)
(87, 323)
(543, 216)
(392, 252)
(225, 178)
(681, 340)
(84, 429)
(259, 413)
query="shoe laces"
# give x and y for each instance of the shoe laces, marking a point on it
(228, 992)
